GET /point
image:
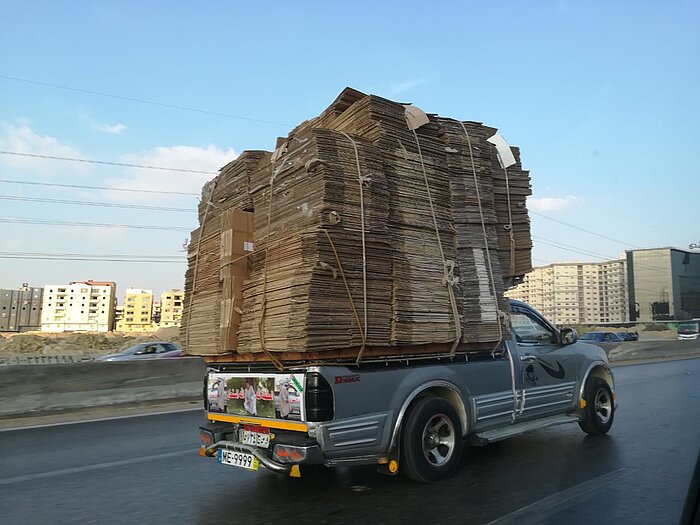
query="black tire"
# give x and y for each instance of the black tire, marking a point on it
(430, 421)
(599, 412)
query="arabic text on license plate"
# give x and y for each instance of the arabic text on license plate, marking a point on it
(238, 459)
(257, 439)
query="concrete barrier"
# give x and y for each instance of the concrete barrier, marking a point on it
(653, 350)
(57, 387)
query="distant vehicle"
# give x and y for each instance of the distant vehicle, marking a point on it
(602, 337)
(628, 336)
(689, 330)
(151, 350)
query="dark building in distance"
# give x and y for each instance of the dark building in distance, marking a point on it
(663, 284)
(20, 310)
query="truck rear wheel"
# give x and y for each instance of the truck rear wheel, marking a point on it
(431, 440)
(599, 410)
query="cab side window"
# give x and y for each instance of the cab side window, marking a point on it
(529, 330)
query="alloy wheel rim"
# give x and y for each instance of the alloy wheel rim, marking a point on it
(603, 405)
(438, 440)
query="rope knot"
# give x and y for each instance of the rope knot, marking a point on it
(314, 163)
(448, 276)
(326, 266)
(366, 180)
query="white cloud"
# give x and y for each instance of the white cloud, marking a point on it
(545, 204)
(115, 129)
(208, 159)
(21, 138)
(407, 85)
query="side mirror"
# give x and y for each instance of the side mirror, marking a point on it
(568, 336)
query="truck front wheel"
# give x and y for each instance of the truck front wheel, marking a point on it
(431, 440)
(599, 408)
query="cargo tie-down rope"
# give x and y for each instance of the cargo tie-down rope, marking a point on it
(347, 289)
(511, 235)
(196, 262)
(499, 313)
(501, 316)
(448, 278)
(261, 325)
(361, 180)
(506, 159)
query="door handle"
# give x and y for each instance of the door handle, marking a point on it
(528, 358)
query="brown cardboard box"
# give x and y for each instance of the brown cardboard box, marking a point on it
(236, 245)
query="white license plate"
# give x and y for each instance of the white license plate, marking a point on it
(238, 459)
(256, 439)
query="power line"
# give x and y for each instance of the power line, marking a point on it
(39, 258)
(106, 188)
(93, 203)
(94, 255)
(557, 244)
(597, 255)
(53, 222)
(584, 229)
(104, 162)
(142, 101)
(580, 252)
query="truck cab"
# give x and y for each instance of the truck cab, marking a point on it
(411, 414)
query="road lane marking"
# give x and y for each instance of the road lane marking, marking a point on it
(540, 511)
(101, 419)
(95, 466)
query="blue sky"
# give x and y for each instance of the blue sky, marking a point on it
(600, 96)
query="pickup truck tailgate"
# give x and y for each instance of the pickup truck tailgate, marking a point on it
(272, 395)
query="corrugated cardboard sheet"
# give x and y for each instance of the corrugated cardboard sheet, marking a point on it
(306, 286)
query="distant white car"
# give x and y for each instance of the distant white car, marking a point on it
(688, 330)
(151, 350)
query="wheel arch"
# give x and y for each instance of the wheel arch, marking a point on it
(599, 369)
(439, 388)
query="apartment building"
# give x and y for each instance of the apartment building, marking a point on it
(138, 311)
(171, 304)
(577, 293)
(80, 306)
(20, 310)
(664, 284)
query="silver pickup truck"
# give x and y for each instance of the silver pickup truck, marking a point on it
(412, 415)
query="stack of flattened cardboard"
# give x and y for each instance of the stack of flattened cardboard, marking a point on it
(216, 266)
(415, 169)
(306, 287)
(511, 189)
(366, 233)
(469, 161)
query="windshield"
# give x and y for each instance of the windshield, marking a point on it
(689, 328)
(132, 350)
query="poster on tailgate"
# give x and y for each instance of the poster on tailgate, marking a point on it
(279, 396)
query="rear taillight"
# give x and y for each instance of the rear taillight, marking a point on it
(205, 392)
(318, 398)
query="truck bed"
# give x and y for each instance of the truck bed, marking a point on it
(350, 355)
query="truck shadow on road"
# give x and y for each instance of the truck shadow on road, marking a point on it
(491, 482)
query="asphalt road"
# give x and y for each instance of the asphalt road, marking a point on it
(146, 470)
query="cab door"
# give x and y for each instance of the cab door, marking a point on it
(547, 367)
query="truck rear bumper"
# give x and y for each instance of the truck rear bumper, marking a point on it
(310, 454)
(286, 449)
